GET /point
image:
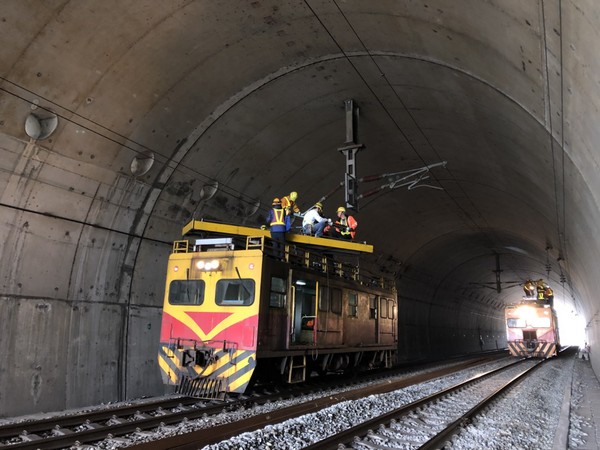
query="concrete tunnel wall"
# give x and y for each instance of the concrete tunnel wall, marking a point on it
(84, 242)
(88, 336)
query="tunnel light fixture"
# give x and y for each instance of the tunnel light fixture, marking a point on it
(41, 125)
(251, 209)
(209, 190)
(142, 163)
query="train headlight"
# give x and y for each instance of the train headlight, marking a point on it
(208, 266)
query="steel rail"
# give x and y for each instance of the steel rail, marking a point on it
(347, 436)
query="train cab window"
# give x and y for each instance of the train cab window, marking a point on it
(372, 307)
(540, 322)
(186, 292)
(235, 292)
(352, 304)
(391, 309)
(516, 323)
(278, 292)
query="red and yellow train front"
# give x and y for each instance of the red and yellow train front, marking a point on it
(531, 330)
(210, 321)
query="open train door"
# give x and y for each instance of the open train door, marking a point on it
(304, 310)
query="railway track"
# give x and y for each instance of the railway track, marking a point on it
(142, 420)
(430, 423)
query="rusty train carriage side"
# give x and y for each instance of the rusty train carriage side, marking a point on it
(235, 310)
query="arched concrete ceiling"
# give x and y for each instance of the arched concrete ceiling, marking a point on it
(250, 95)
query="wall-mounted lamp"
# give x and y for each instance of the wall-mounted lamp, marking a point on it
(41, 125)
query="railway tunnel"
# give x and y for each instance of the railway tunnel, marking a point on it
(475, 160)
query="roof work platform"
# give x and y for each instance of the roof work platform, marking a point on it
(214, 229)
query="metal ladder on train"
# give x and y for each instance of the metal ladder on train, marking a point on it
(297, 369)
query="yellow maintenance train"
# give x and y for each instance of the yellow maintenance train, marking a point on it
(237, 310)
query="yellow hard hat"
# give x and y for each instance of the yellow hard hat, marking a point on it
(341, 209)
(276, 201)
(293, 196)
(319, 205)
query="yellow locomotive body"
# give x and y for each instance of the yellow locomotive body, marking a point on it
(236, 310)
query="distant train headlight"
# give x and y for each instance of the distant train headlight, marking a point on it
(526, 313)
(200, 264)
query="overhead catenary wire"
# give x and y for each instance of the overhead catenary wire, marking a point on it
(560, 217)
(468, 214)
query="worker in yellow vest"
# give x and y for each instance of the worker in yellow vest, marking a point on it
(279, 224)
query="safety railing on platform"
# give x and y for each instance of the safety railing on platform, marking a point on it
(307, 259)
(181, 246)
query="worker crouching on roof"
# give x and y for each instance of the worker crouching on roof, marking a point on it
(279, 224)
(313, 223)
(529, 288)
(345, 225)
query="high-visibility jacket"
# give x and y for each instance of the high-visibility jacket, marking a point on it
(347, 226)
(278, 221)
(540, 292)
(286, 203)
(529, 287)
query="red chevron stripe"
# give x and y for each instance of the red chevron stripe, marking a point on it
(242, 332)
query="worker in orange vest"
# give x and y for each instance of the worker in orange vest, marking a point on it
(345, 225)
(288, 203)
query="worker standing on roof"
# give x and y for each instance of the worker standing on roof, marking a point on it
(289, 203)
(345, 225)
(313, 223)
(541, 288)
(279, 224)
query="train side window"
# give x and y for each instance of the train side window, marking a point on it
(186, 292)
(353, 304)
(372, 307)
(323, 298)
(278, 293)
(383, 308)
(336, 301)
(235, 292)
